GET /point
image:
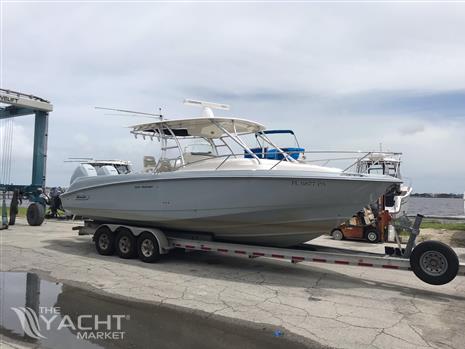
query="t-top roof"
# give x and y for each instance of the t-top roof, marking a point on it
(200, 127)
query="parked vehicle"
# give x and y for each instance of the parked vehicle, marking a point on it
(364, 226)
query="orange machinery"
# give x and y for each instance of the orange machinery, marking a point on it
(365, 225)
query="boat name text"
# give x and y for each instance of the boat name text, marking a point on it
(143, 186)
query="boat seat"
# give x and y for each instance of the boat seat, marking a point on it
(259, 152)
(274, 154)
(164, 166)
(150, 164)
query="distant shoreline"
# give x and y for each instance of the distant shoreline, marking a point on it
(437, 195)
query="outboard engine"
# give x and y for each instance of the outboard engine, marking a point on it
(83, 170)
(107, 170)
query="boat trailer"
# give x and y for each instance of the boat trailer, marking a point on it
(431, 261)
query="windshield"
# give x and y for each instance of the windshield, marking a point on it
(281, 140)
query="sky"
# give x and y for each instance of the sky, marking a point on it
(344, 76)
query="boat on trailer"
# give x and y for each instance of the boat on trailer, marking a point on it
(388, 163)
(216, 184)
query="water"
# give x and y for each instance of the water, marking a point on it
(77, 316)
(436, 206)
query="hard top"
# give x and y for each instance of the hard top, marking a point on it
(208, 127)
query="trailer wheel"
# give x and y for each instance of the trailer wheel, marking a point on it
(148, 248)
(104, 241)
(35, 214)
(372, 236)
(125, 243)
(434, 262)
(337, 234)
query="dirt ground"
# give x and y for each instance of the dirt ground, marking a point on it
(453, 238)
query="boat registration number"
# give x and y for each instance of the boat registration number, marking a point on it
(308, 183)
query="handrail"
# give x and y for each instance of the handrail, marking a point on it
(234, 155)
(284, 154)
(237, 140)
(222, 162)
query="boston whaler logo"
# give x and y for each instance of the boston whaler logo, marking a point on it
(81, 196)
(86, 326)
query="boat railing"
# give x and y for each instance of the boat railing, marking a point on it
(354, 159)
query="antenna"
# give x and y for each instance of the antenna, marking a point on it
(207, 106)
(132, 112)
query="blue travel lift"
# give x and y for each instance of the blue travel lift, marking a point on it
(19, 104)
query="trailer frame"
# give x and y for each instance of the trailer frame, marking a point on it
(394, 259)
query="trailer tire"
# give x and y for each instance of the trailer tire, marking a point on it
(35, 214)
(148, 248)
(125, 243)
(337, 234)
(104, 241)
(434, 262)
(372, 235)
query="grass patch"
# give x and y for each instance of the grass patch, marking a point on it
(443, 232)
(21, 211)
(428, 224)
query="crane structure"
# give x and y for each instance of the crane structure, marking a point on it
(21, 104)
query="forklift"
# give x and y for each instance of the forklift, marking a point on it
(370, 224)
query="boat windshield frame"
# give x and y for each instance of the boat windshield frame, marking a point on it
(224, 128)
(388, 162)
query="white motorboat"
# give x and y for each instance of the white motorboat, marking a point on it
(396, 200)
(208, 186)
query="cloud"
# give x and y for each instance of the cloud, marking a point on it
(412, 129)
(343, 75)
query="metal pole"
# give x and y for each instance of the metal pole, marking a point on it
(32, 293)
(39, 156)
(14, 206)
(237, 140)
(413, 235)
(4, 214)
(284, 154)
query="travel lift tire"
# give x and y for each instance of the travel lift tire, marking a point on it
(148, 248)
(434, 262)
(337, 234)
(125, 243)
(35, 214)
(104, 241)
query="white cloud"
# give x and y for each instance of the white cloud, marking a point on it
(310, 66)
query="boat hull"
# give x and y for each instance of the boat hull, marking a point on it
(271, 210)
